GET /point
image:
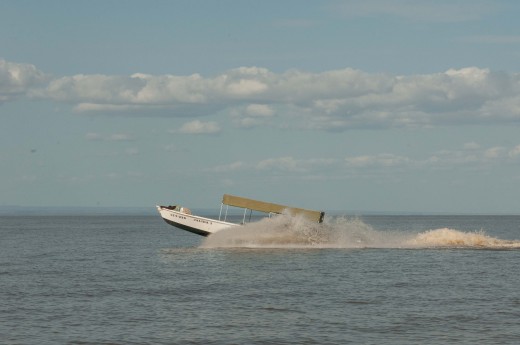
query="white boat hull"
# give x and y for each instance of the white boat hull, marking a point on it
(195, 224)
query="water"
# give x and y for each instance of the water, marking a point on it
(367, 280)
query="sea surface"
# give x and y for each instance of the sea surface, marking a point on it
(353, 280)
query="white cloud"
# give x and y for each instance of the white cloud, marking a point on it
(380, 160)
(514, 152)
(92, 136)
(248, 122)
(235, 166)
(285, 164)
(471, 146)
(246, 87)
(282, 163)
(120, 137)
(494, 152)
(199, 127)
(84, 107)
(253, 115)
(334, 100)
(167, 90)
(18, 79)
(470, 157)
(291, 164)
(452, 158)
(261, 110)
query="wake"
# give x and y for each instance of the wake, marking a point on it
(296, 232)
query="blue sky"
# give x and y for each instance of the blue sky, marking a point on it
(390, 106)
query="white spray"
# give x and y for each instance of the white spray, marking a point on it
(285, 231)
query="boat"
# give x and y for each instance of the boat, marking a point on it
(182, 217)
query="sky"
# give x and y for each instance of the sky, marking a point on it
(361, 106)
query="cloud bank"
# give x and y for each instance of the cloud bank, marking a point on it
(199, 127)
(335, 100)
(470, 157)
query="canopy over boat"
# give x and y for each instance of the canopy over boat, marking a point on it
(267, 207)
(182, 218)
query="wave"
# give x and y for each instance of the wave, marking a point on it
(285, 231)
(446, 237)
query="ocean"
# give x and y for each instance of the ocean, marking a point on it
(128, 279)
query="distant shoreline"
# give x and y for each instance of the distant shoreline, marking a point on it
(74, 211)
(151, 211)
